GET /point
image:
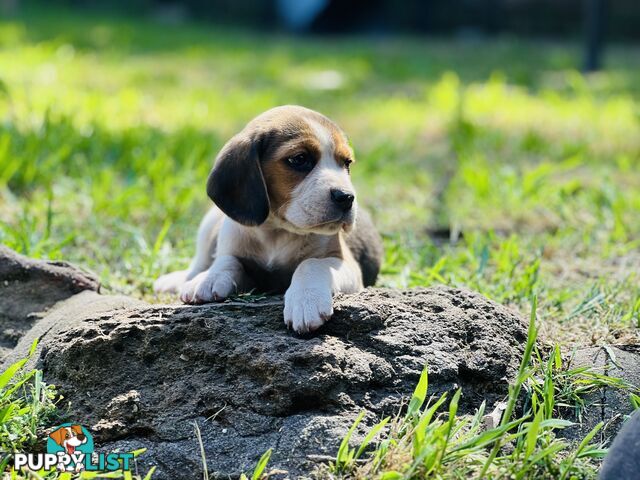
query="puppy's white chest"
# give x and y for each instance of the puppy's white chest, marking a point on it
(280, 254)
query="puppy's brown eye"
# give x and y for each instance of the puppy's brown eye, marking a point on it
(301, 162)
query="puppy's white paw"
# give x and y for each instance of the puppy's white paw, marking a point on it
(207, 287)
(306, 309)
(171, 282)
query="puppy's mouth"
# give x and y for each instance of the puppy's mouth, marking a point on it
(329, 222)
(342, 222)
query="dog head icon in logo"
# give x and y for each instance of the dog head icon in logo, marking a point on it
(68, 438)
(72, 444)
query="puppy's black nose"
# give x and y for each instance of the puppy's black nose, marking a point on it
(342, 199)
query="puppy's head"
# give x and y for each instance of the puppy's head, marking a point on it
(69, 437)
(290, 165)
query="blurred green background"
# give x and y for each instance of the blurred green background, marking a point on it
(489, 162)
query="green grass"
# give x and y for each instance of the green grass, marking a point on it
(26, 402)
(493, 165)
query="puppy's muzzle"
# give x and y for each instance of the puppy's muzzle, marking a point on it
(343, 200)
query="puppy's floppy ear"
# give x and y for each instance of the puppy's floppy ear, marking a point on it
(236, 184)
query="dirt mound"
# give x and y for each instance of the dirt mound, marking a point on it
(140, 375)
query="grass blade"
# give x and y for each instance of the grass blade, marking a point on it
(150, 473)
(344, 456)
(514, 390)
(419, 394)
(10, 372)
(205, 470)
(262, 464)
(369, 437)
(583, 444)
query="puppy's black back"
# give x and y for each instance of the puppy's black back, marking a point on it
(366, 246)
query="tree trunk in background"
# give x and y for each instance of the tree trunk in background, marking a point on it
(594, 33)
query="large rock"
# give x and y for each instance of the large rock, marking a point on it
(30, 287)
(142, 375)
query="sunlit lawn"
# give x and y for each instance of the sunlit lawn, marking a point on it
(491, 164)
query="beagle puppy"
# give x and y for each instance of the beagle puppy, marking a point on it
(284, 220)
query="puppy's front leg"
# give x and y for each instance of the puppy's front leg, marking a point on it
(308, 302)
(224, 277)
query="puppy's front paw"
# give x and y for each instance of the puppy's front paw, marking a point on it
(171, 282)
(206, 287)
(306, 309)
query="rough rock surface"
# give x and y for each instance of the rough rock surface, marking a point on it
(606, 404)
(29, 287)
(141, 375)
